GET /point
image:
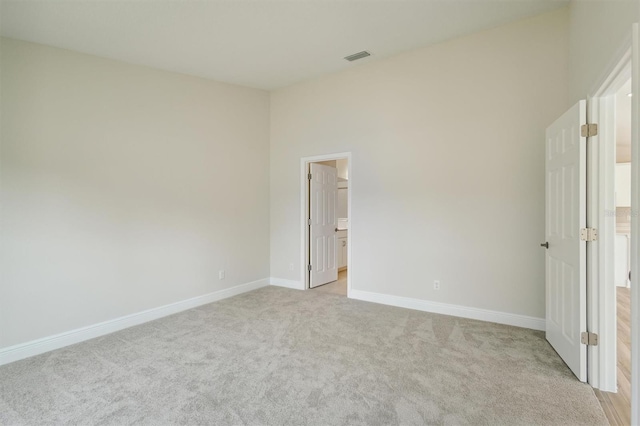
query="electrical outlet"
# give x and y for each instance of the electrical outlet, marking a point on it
(221, 274)
(436, 285)
(291, 266)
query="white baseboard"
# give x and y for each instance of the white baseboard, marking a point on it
(46, 344)
(453, 310)
(281, 282)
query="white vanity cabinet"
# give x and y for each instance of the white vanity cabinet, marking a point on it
(342, 249)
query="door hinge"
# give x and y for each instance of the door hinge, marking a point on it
(309, 176)
(589, 339)
(308, 221)
(588, 234)
(309, 268)
(588, 130)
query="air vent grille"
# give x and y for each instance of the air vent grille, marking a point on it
(357, 56)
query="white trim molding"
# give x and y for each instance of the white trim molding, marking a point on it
(601, 152)
(281, 282)
(602, 306)
(635, 224)
(57, 341)
(453, 310)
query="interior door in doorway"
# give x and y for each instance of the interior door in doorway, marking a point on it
(323, 193)
(565, 208)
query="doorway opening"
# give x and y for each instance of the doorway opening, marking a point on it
(326, 222)
(617, 402)
(610, 260)
(622, 249)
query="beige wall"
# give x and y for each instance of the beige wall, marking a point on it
(600, 31)
(123, 188)
(448, 170)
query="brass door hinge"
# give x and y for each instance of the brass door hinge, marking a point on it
(588, 234)
(589, 339)
(588, 130)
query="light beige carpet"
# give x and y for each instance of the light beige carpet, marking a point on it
(277, 356)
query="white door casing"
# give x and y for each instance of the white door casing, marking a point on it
(323, 194)
(635, 230)
(601, 207)
(565, 211)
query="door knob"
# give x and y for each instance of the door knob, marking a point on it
(545, 245)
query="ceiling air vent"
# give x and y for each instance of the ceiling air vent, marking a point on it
(357, 56)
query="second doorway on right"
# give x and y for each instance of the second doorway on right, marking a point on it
(620, 402)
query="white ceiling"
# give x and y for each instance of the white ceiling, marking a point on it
(261, 43)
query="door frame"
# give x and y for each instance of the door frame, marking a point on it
(635, 224)
(304, 213)
(601, 309)
(601, 160)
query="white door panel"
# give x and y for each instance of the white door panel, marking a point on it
(323, 190)
(566, 289)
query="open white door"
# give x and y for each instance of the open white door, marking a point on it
(323, 193)
(566, 285)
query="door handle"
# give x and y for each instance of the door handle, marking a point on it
(545, 245)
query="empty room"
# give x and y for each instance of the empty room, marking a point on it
(189, 190)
